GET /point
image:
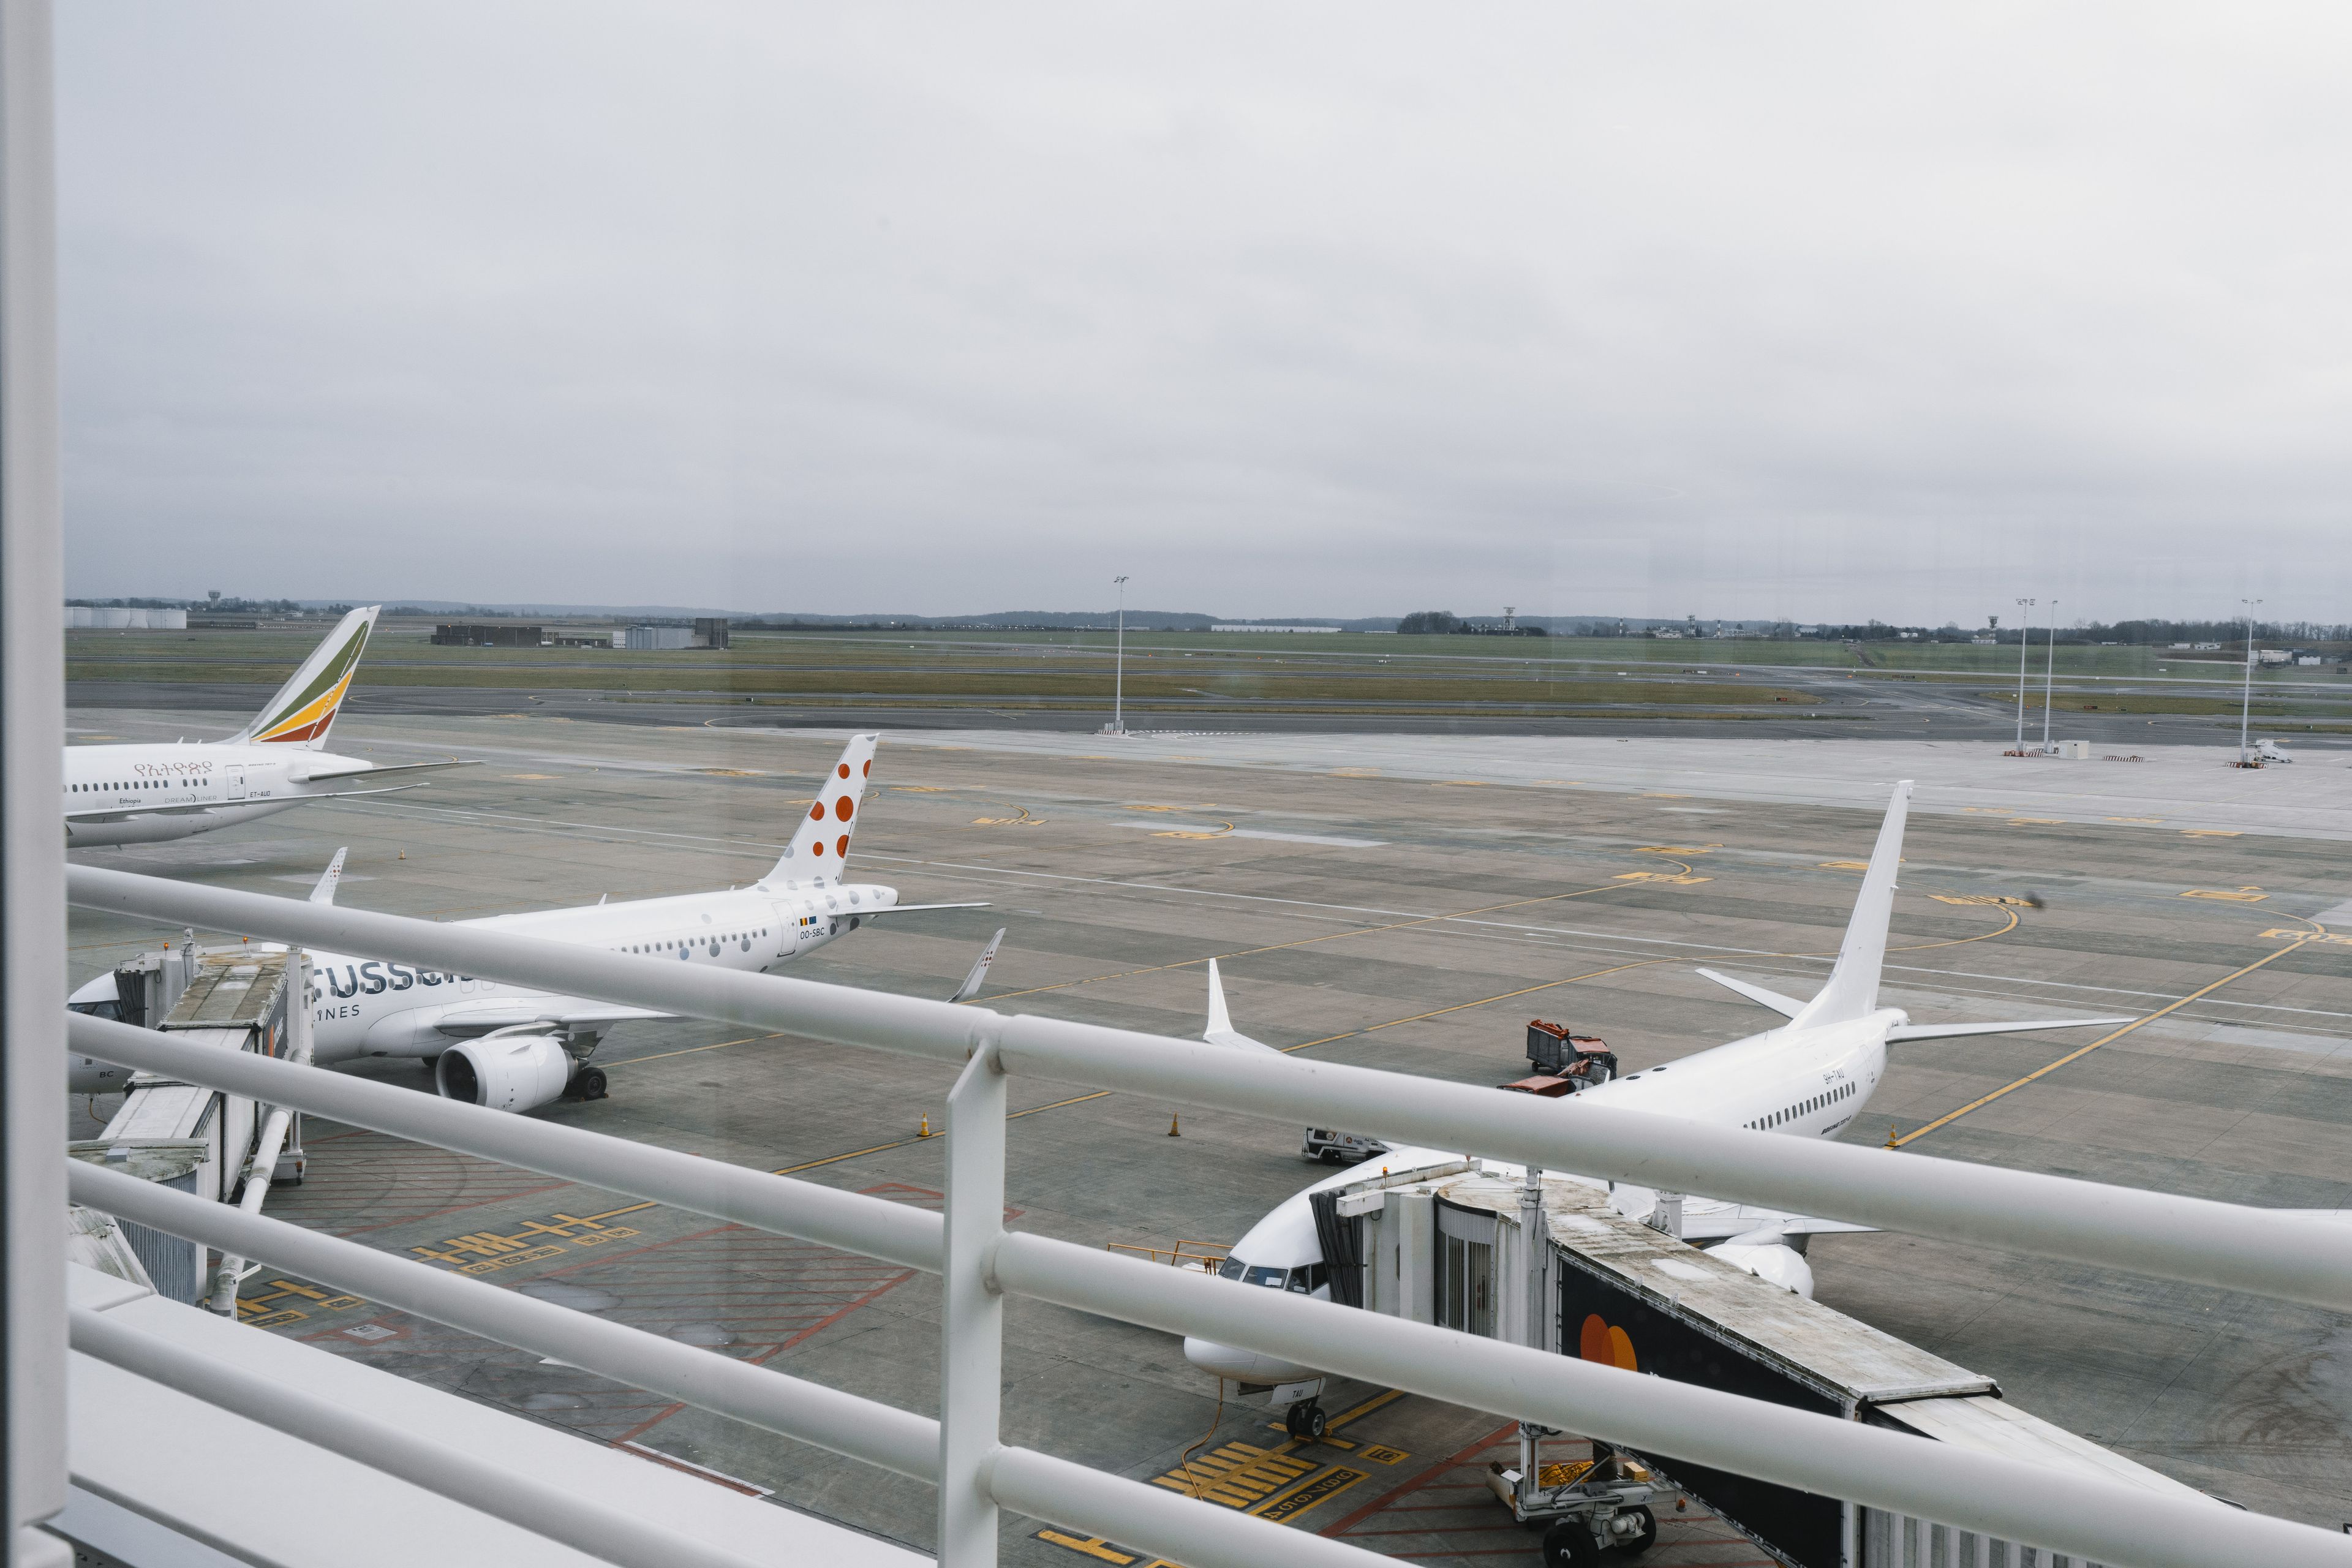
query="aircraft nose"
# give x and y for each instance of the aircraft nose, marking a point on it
(1242, 1365)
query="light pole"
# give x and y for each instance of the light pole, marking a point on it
(2024, 641)
(2246, 697)
(2049, 673)
(1119, 666)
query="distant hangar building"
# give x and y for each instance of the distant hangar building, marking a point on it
(708, 631)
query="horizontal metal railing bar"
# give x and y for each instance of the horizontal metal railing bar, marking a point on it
(561, 1514)
(905, 1024)
(807, 1211)
(1057, 1491)
(1158, 1522)
(2006, 1499)
(776, 1402)
(2195, 1241)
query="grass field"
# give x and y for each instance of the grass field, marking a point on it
(1176, 672)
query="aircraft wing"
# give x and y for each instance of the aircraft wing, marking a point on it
(1902, 1032)
(1787, 1006)
(570, 1013)
(348, 768)
(133, 813)
(1710, 1219)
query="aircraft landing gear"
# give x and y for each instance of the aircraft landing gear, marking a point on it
(1306, 1421)
(588, 1083)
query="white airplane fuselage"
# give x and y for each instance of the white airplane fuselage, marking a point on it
(1808, 1082)
(203, 785)
(370, 1007)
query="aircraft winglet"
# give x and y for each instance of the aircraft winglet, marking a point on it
(331, 879)
(978, 975)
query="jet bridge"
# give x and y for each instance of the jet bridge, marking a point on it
(184, 1135)
(1447, 1244)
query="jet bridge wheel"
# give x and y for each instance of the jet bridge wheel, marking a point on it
(1306, 1421)
(588, 1083)
(1570, 1544)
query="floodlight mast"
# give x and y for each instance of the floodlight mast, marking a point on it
(2049, 673)
(2024, 641)
(2246, 692)
(1119, 666)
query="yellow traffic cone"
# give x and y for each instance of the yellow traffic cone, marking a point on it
(1891, 1143)
(925, 1130)
(1171, 1126)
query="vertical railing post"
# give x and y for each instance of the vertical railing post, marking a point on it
(971, 1317)
(32, 848)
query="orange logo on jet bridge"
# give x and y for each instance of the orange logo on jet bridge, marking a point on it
(1605, 1343)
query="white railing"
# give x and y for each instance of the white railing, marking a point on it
(977, 1476)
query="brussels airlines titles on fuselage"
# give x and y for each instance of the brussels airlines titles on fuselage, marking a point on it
(514, 1048)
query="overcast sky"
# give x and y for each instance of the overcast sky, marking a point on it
(1804, 310)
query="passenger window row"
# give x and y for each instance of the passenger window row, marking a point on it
(1802, 1108)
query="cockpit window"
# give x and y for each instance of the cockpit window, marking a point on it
(1272, 1278)
(1231, 1269)
(1308, 1278)
(98, 1009)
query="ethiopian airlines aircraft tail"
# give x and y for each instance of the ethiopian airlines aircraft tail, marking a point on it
(304, 709)
(821, 846)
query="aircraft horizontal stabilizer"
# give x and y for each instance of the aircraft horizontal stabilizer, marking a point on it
(914, 910)
(1787, 1006)
(1903, 1032)
(353, 769)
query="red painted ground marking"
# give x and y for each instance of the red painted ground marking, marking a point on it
(1425, 1478)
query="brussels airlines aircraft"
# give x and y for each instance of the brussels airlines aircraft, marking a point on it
(150, 795)
(1807, 1077)
(514, 1049)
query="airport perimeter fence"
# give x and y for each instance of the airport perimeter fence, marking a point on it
(981, 1263)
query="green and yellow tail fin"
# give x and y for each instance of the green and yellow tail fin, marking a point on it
(304, 709)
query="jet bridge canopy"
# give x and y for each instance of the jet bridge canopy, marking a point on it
(1621, 1291)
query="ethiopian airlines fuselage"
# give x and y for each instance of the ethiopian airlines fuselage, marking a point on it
(150, 794)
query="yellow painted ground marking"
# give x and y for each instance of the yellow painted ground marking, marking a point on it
(2233, 896)
(2277, 934)
(2209, 833)
(1222, 830)
(1460, 783)
(2145, 820)
(1314, 1493)
(530, 775)
(1380, 1454)
(1389, 1397)
(1676, 848)
(1662, 794)
(1093, 1546)
(1237, 1475)
(2037, 822)
(2078, 1055)
(1659, 877)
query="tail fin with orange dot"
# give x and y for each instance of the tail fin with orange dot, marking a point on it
(821, 844)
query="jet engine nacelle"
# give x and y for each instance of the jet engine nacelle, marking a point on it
(505, 1071)
(1773, 1260)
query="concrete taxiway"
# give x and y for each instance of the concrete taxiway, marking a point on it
(1398, 903)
